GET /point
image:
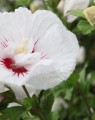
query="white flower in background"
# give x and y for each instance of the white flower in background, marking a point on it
(60, 6)
(81, 56)
(74, 4)
(59, 103)
(36, 50)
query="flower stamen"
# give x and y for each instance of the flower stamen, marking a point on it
(22, 48)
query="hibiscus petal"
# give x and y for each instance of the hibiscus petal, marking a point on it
(41, 21)
(44, 75)
(15, 82)
(19, 91)
(34, 25)
(13, 25)
(61, 48)
(7, 76)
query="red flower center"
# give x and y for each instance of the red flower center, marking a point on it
(10, 64)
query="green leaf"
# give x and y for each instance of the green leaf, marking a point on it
(55, 115)
(85, 27)
(35, 110)
(2, 117)
(93, 116)
(13, 113)
(35, 102)
(46, 102)
(83, 73)
(23, 2)
(78, 13)
(83, 82)
(68, 94)
(92, 2)
(41, 106)
(27, 103)
(28, 116)
(55, 2)
(72, 80)
(51, 5)
(68, 84)
(8, 97)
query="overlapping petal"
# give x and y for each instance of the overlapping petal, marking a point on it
(61, 48)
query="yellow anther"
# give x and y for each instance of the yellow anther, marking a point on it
(90, 14)
(22, 48)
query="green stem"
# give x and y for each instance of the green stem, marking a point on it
(26, 91)
(30, 114)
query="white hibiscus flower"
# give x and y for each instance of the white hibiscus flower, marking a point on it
(74, 4)
(82, 55)
(36, 50)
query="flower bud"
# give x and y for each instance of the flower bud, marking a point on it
(60, 6)
(90, 14)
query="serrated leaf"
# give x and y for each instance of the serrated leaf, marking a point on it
(13, 113)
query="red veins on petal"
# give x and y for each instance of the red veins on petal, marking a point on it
(10, 64)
